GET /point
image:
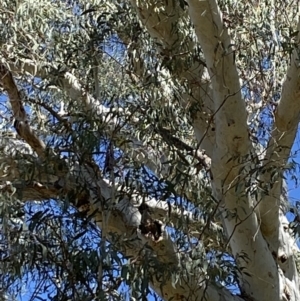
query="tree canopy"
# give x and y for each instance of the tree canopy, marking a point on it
(145, 147)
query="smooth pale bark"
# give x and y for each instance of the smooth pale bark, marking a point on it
(287, 117)
(232, 141)
(274, 224)
(124, 219)
(36, 180)
(229, 109)
(232, 138)
(260, 234)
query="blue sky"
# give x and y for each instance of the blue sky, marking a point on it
(294, 188)
(293, 192)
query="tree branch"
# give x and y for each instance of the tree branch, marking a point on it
(125, 219)
(21, 122)
(232, 149)
(274, 223)
(133, 147)
(230, 119)
(287, 117)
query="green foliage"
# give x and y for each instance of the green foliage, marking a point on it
(69, 57)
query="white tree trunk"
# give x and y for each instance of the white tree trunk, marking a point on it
(256, 229)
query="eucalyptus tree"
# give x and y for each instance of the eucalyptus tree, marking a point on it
(144, 146)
